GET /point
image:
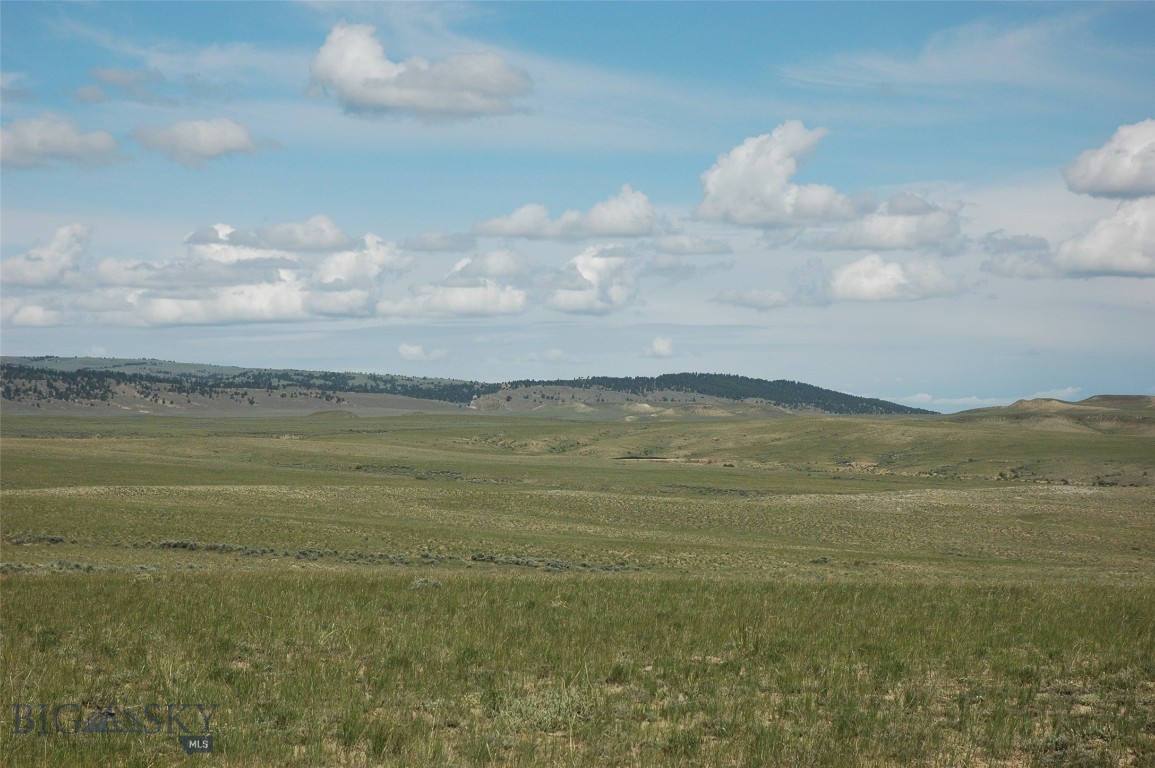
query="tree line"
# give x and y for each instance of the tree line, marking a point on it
(20, 382)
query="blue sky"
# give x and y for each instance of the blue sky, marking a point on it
(948, 205)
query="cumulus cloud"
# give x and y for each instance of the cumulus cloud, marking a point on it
(683, 244)
(48, 264)
(232, 276)
(231, 246)
(751, 185)
(627, 214)
(40, 141)
(365, 264)
(319, 233)
(353, 67)
(224, 267)
(906, 222)
(283, 299)
(416, 353)
(597, 281)
(661, 346)
(1121, 245)
(872, 279)
(192, 142)
(440, 241)
(24, 313)
(1123, 167)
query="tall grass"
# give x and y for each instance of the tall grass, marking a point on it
(488, 668)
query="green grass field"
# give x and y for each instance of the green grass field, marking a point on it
(487, 590)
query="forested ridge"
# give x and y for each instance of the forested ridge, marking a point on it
(36, 380)
(794, 395)
(21, 382)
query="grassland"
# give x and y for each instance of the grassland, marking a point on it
(493, 590)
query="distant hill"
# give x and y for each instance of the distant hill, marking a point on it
(788, 395)
(158, 386)
(1102, 413)
(1138, 404)
(146, 385)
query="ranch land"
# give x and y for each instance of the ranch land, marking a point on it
(471, 589)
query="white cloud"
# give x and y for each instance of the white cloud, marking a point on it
(282, 300)
(1123, 167)
(319, 233)
(906, 222)
(192, 142)
(229, 252)
(22, 313)
(353, 67)
(872, 279)
(752, 184)
(627, 214)
(599, 282)
(48, 264)
(417, 353)
(1121, 245)
(661, 346)
(363, 265)
(440, 241)
(39, 141)
(684, 244)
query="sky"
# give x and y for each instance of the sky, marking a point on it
(946, 205)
